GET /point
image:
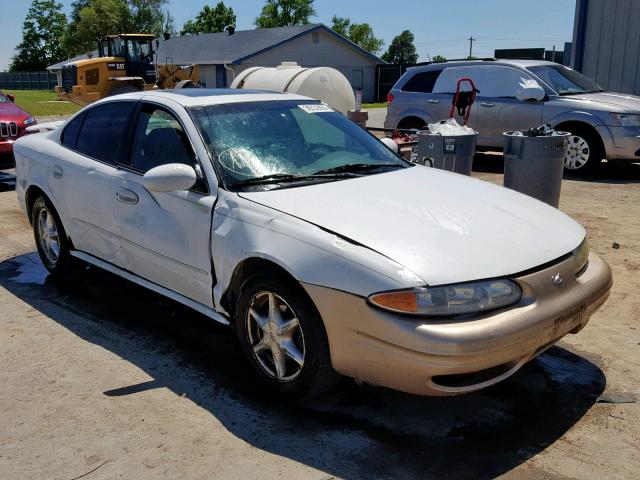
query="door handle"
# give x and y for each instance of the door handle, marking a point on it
(126, 196)
(487, 104)
(433, 101)
(57, 171)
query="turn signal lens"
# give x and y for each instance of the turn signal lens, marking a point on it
(450, 300)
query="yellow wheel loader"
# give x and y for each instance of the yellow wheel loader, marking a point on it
(125, 63)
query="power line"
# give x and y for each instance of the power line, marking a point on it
(471, 40)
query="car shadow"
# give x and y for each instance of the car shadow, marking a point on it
(609, 172)
(351, 432)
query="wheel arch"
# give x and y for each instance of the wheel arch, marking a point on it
(407, 119)
(568, 125)
(31, 195)
(246, 270)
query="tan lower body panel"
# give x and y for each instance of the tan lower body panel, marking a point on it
(448, 357)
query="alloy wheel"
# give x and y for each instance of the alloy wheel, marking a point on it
(48, 236)
(577, 154)
(275, 336)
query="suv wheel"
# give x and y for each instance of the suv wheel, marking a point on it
(283, 337)
(584, 153)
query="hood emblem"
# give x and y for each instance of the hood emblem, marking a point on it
(556, 280)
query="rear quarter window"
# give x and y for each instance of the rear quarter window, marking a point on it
(422, 82)
(70, 132)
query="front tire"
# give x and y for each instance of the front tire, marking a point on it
(283, 337)
(50, 236)
(584, 153)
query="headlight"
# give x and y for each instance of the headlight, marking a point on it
(581, 257)
(626, 119)
(464, 298)
(29, 121)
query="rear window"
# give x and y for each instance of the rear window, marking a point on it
(70, 132)
(103, 130)
(422, 82)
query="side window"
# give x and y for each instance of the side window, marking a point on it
(422, 82)
(103, 131)
(70, 132)
(497, 81)
(159, 139)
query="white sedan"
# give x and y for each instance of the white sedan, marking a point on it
(327, 253)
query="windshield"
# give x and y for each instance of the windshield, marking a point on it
(286, 138)
(564, 80)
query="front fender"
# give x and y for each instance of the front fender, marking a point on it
(243, 229)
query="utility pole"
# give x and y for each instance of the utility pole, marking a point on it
(471, 40)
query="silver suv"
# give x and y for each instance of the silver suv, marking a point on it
(518, 95)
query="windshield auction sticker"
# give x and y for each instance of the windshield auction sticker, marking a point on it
(316, 108)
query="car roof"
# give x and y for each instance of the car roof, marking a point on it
(191, 97)
(499, 61)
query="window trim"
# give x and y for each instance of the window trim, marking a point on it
(84, 117)
(128, 145)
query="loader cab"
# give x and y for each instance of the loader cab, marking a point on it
(136, 49)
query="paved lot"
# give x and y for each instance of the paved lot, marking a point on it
(102, 378)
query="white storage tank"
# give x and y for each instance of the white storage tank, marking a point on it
(322, 83)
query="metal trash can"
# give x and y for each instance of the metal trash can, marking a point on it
(446, 152)
(533, 165)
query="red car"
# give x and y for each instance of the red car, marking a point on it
(13, 124)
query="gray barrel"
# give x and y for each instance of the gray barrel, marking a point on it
(534, 165)
(452, 153)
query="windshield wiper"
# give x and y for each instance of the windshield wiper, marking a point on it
(357, 167)
(280, 178)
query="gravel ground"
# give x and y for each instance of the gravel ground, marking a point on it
(103, 380)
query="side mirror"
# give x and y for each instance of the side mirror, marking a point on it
(169, 178)
(11, 97)
(531, 90)
(390, 143)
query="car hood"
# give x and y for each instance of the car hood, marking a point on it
(612, 99)
(443, 226)
(9, 111)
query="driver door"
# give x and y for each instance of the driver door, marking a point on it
(165, 235)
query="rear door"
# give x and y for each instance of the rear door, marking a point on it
(165, 236)
(94, 144)
(418, 93)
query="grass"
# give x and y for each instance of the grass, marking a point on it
(375, 105)
(42, 102)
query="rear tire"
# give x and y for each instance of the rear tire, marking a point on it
(585, 151)
(51, 238)
(283, 337)
(411, 123)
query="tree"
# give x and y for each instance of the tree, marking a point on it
(282, 13)
(359, 33)
(103, 17)
(402, 51)
(439, 58)
(42, 31)
(210, 20)
(70, 40)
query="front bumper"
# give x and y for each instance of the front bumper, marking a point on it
(448, 357)
(621, 143)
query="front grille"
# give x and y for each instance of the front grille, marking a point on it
(8, 129)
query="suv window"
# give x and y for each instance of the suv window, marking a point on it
(103, 131)
(159, 139)
(70, 132)
(422, 82)
(491, 80)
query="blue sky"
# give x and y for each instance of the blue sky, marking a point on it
(440, 27)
